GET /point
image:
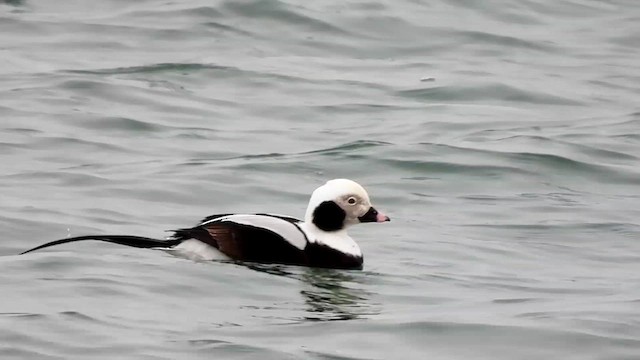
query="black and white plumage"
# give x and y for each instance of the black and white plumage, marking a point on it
(321, 240)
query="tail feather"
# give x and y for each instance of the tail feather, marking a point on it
(128, 240)
(191, 233)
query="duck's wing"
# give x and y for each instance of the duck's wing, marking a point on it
(212, 217)
(252, 237)
(290, 219)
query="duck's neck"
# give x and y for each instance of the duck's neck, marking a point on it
(308, 216)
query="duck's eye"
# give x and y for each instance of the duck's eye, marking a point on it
(352, 201)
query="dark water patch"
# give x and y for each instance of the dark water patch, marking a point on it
(526, 162)
(563, 287)
(570, 9)
(581, 148)
(348, 147)
(612, 85)
(191, 136)
(258, 156)
(14, 2)
(76, 316)
(24, 315)
(563, 227)
(183, 68)
(207, 75)
(559, 199)
(84, 85)
(632, 137)
(488, 199)
(228, 28)
(504, 41)
(591, 154)
(386, 26)
(122, 124)
(206, 342)
(629, 41)
(48, 264)
(514, 301)
(241, 350)
(359, 108)
(12, 352)
(62, 178)
(473, 161)
(632, 123)
(509, 13)
(201, 72)
(520, 334)
(627, 122)
(99, 281)
(436, 167)
(343, 149)
(282, 13)
(197, 12)
(61, 142)
(328, 356)
(567, 165)
(418, 178)
(497, 92)
(8, 148)
(28, 131)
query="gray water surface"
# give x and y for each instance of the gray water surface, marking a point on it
(502, 137)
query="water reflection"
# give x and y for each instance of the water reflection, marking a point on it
(328, 294)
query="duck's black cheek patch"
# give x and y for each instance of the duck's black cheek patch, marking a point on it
(328, 216)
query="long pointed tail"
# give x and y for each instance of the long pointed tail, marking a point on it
(128, 240)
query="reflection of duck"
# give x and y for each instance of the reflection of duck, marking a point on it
(327, 297)
(330, 298)
(321, 240)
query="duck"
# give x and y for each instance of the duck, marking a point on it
(320, 240)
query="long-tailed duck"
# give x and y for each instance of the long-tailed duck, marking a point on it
(321, 240)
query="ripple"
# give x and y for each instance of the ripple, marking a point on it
(123, 124)
(345, 148)
(509, 42)
(487, 92)
(153, 68)
(281, 13)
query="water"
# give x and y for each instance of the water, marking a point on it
(502, 138)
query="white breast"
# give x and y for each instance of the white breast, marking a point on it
(338, 240)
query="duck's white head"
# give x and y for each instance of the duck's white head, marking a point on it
(340, 203)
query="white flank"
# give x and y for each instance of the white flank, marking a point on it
(196, 250)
